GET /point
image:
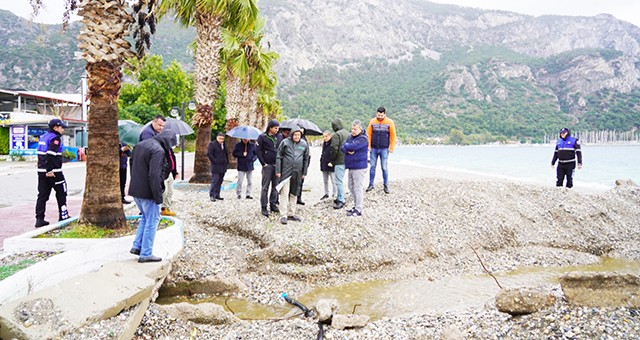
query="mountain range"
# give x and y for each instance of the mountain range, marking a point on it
(436, 68)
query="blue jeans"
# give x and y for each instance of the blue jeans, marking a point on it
(339, 172)
(146, 232)
(373, 159)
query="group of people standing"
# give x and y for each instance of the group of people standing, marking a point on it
(284, 158)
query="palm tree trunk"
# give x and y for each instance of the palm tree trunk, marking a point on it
(101, 204)
(207, 69)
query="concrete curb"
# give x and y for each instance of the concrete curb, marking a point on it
(78, 258)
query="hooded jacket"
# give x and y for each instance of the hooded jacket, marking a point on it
(150, 166)
(292, 160)
(567, 150)
(267, 146)
(339, 136)
(355, 151)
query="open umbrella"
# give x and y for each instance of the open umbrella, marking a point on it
(244, 132)
(129, 131)
(177, 126)
(310, 129)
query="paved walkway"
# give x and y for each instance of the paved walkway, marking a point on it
(20, 218)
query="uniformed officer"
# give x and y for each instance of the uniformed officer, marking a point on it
(50, 172)
(567, 153)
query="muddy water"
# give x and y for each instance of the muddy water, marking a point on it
(379, 299)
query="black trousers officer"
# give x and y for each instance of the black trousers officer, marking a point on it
(45, 184)
(565, 170)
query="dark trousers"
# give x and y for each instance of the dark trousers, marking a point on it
(216, 183)
(123, 181)
(565, 170)
(45, 184)
(269, 179)
(300, 191)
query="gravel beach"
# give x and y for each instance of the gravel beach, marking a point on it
(427, 228)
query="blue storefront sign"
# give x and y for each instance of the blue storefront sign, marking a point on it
(24, 140)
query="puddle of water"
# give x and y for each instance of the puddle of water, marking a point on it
(379, 299)
(241, 308)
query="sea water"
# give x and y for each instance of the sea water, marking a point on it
(602, 164)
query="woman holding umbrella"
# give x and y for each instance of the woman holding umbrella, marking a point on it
(245, 152)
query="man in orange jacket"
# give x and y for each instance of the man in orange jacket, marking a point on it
(382, 139)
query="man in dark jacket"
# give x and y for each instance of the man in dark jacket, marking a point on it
(566, 153)
(150, 167)
(292, 162)
(157, 126)
(355, 159)
(327, 168)
(266, 150)
(219, 162)
(245, 152)
(339, 136)
(50, 172)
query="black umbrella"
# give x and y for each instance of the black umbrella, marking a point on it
(310, 129)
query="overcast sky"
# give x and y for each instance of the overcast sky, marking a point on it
(628, 10)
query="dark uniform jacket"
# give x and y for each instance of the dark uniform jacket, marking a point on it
(50, 153)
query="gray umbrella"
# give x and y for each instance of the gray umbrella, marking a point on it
(177, 126)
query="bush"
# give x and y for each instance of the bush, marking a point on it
(4, 141)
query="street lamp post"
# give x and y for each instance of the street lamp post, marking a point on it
(174, 113)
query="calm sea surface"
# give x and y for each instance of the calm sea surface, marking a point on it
(602, 164)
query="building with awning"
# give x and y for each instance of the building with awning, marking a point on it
(27, 113)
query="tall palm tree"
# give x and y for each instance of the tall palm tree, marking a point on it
(249, 70)
(208, 17)
(103, 46)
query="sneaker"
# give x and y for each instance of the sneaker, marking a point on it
(125, 201)
(275, 209)
(220, 198)
(167, 212)
(354, 213)
(300, 202)
(338, 205)
(369, 188)
(149, 259)
(248, 197)
(135, 251)
(351, 210)
(283, 220)
(324, 197)
(41, 223)
(265, 212)
(212, 199)
(386, 189)
(294, 218)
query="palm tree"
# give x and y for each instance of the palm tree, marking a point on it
(249, 71)
(208, 17)
(103, 46)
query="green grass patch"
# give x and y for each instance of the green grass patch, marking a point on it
(6, 271)
(82, 231)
